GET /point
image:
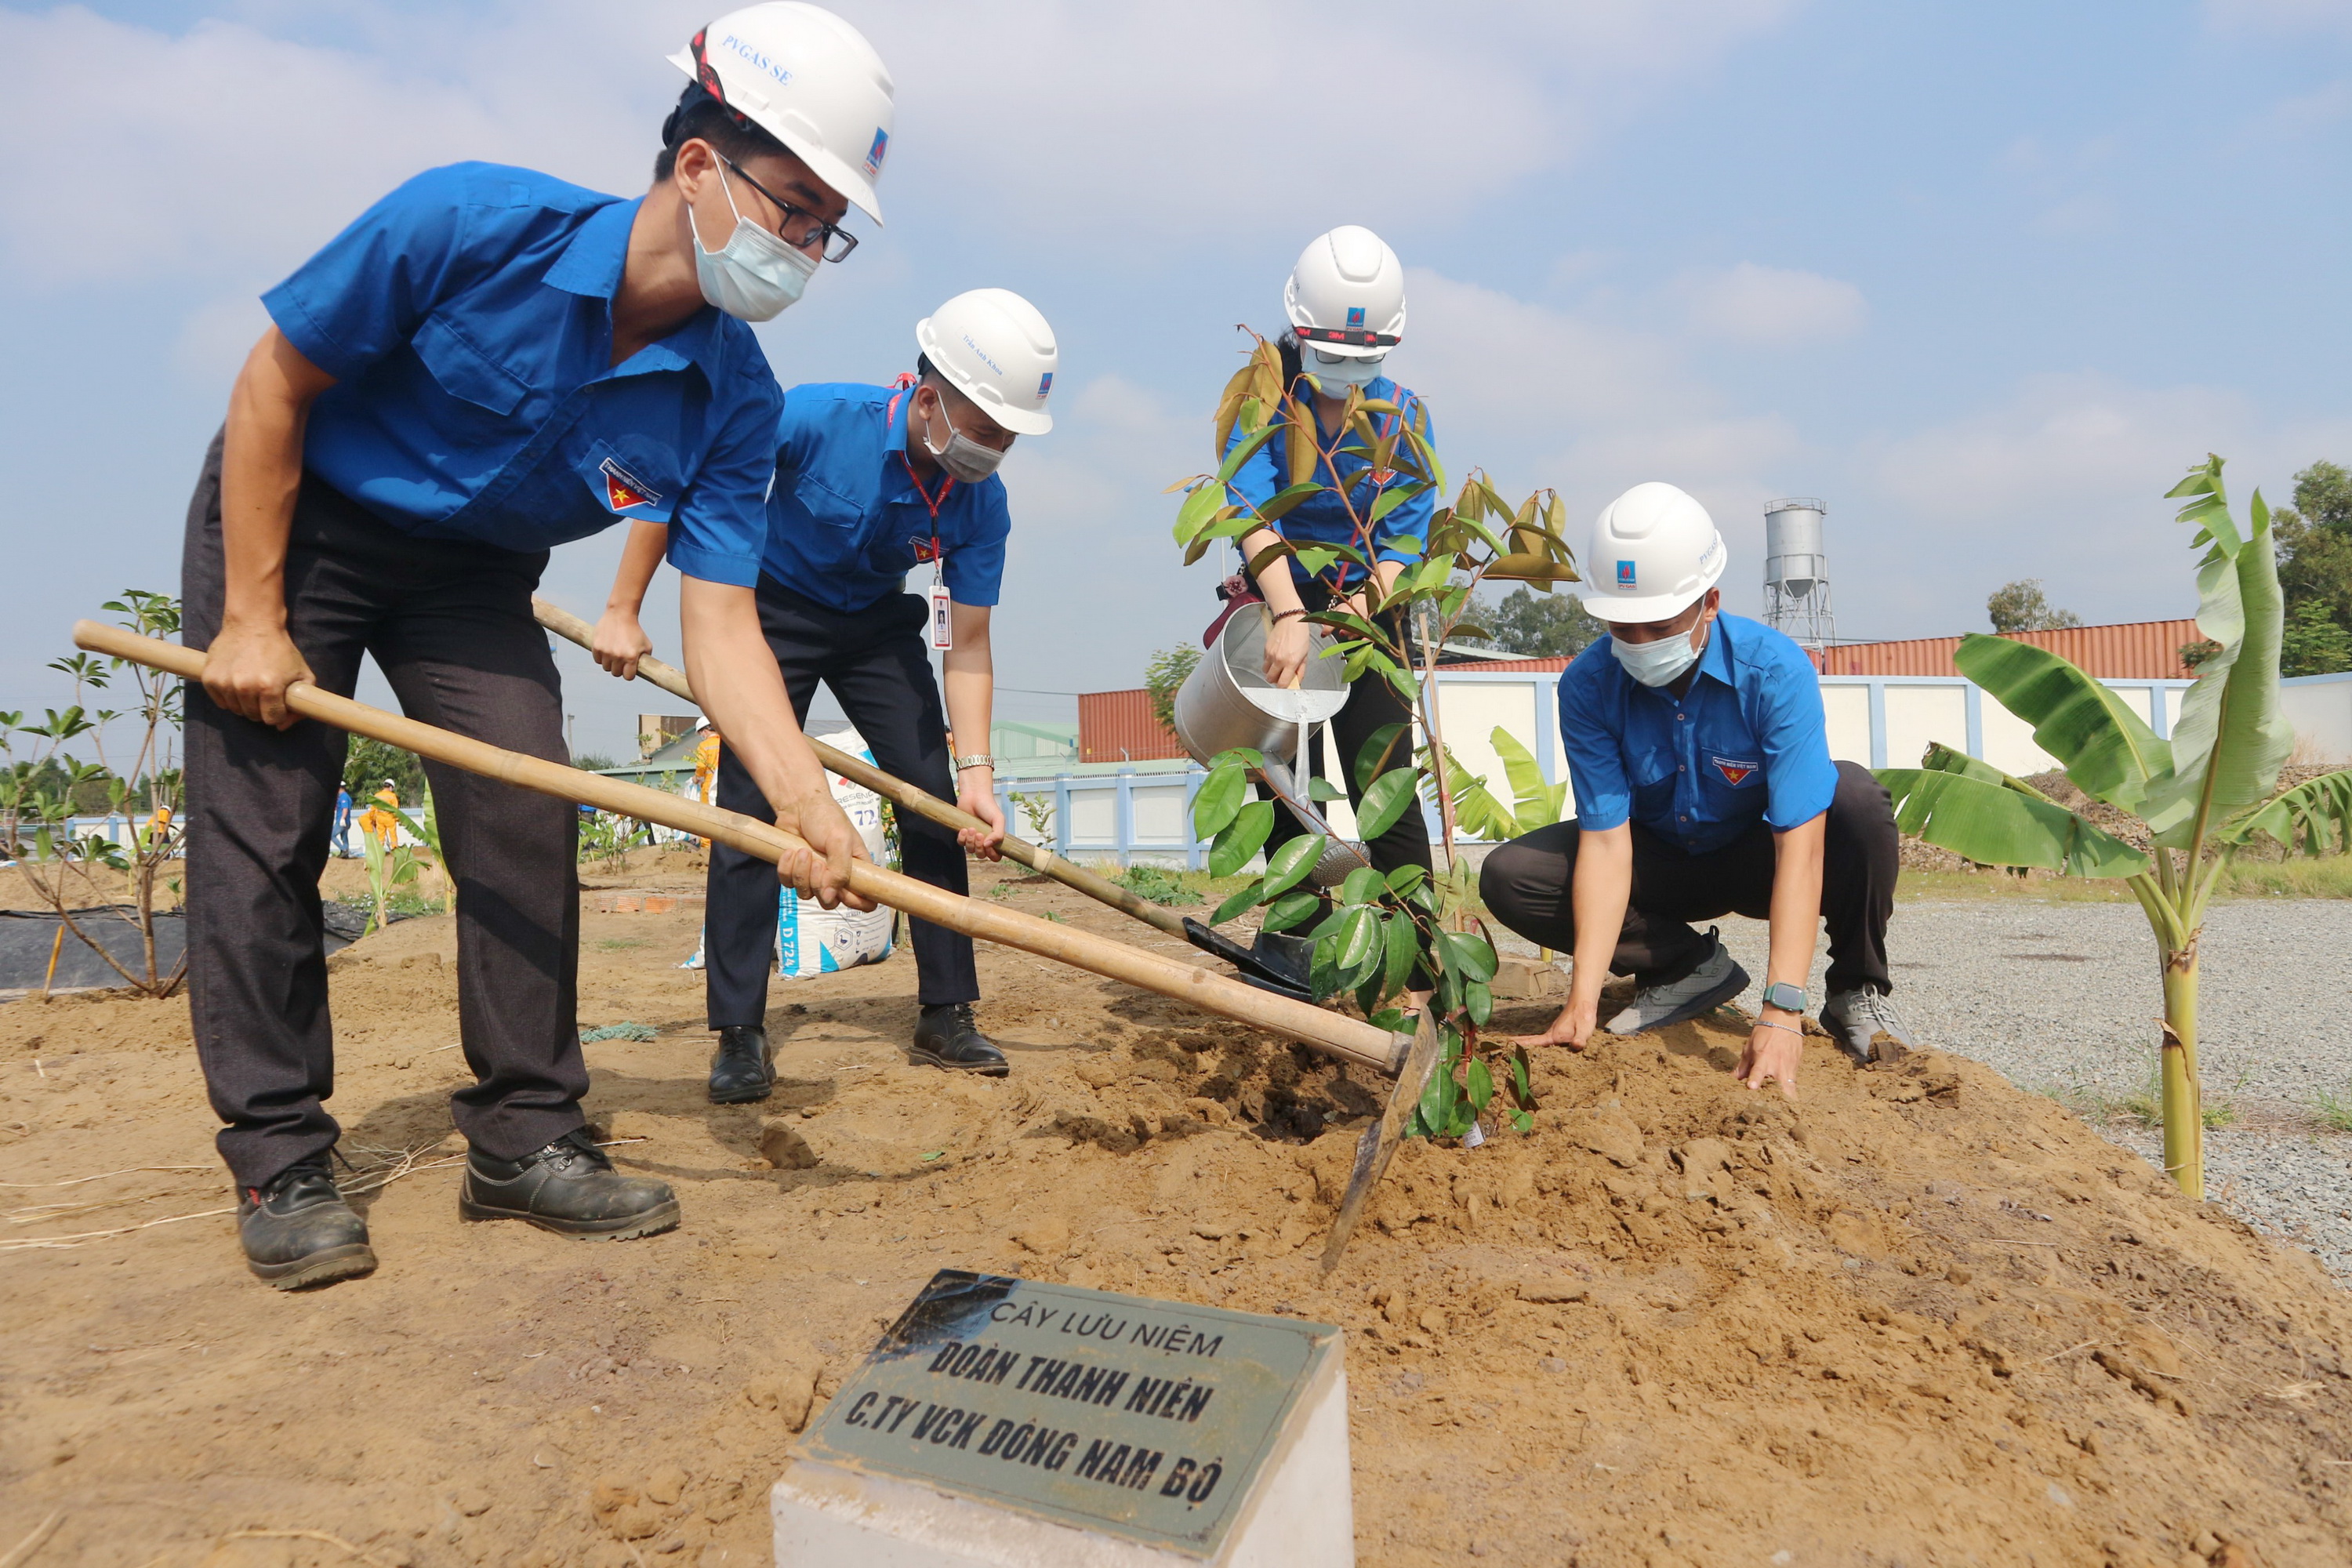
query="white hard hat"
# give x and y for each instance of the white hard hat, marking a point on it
(808, 79)
(1346, 296)
(1654, 550)
(995, 348)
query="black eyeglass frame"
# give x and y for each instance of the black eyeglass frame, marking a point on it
(829, 232)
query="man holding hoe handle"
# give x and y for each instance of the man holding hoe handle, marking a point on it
(486, 363)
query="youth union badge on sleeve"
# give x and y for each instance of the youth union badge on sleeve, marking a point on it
(623, 489)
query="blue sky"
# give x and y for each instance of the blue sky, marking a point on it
(1987, 276)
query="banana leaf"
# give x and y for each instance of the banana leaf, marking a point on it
(2231, 739)
(1995, 825)
(2104, 747)
(1537, 803)
(2317, 813)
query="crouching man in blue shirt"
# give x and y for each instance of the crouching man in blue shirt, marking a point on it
(1703, 787)
(487, 364)
(872, 483)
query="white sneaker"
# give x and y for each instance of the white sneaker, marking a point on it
(1716, 981)
(1855, 1019)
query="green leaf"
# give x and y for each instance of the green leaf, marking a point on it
(1405, 879)
(2104, 746)
(1199, 506)
(1319, 788)
(1523, 1121)
(1540, 804)
(1479, 1083)
(1219, 800)
(1245, 899)
(1395, 496)
(1471, 956)
(2232, 738)
(1478, 997)
(2317, 813)
(1288, 866)
(1242, 451)
(1374, 757)
(1996, 825)
(1360, 939)
(1286, 498)
(1363, 886)
(1385, 800)
(1289, 909)
(1400, 944)
(1241, 838)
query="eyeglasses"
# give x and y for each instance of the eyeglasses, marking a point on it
(799, 226)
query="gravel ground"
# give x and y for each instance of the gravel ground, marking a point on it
(2062, 998)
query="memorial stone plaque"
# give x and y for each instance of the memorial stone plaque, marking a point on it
(1147, 1420)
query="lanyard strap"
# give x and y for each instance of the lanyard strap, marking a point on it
(947, 482)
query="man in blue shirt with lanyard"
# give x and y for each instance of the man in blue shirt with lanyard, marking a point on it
(872, 483)
(1703, 787)
(486, 363)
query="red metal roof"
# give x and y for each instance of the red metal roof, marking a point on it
(1119, 726)
(2132, 650)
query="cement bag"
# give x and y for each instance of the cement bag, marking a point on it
(812, 940)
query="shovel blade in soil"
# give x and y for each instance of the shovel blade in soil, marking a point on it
(1378, 1144)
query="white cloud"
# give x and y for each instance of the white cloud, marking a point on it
(1770, 306)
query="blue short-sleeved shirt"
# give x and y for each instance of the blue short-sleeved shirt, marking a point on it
(845, 520)
(1744, 744)
(1323, 517)
(467, 320)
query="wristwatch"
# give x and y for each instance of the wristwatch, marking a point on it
(1787, 997)
(978, 760)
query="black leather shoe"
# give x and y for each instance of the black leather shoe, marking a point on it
(568, 1187)
(298, 1231)
(742, 1069)
(946, 1037)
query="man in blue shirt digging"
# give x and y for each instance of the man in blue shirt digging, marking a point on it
(1703, 787)
(873, 483)
(486, 363)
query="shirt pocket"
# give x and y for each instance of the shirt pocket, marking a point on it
(824, 505)
(1732, 782)
(1651, 776)
(465, 371)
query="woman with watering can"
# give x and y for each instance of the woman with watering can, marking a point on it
(1346, 304)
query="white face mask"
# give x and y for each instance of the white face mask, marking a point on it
(1336, 372)
(756, 277)
(1658, 663)
(968, 460)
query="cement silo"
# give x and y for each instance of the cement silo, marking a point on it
(1797, 571)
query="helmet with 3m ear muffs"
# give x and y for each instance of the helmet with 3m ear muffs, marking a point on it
(809, 80)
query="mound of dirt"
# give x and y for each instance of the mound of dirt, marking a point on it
(1917, 1317)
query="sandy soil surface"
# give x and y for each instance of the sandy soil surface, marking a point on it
(1919, 1316)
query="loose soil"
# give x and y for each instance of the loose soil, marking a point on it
(1918, 1317)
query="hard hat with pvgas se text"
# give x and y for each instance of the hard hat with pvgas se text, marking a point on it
(1654, 550)
(995, 348)
(1346, 297)
(808, 79)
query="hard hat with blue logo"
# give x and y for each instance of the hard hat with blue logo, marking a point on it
(809, 80)
(1346, 304)
(995, 348)
(1655, 552)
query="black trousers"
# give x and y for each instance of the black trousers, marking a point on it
(1526, 884)
(878, 663)
(450, 626)
(1371, 704)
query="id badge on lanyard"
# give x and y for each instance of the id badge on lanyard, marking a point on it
(942, 617)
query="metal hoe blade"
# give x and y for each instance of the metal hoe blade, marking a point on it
(1254, 969)
(1380, 1142)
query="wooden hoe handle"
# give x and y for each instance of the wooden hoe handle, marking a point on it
(1044, 861)
(1310, 1025)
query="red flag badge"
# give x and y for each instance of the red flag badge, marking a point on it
(1734, 772)
(623, 489)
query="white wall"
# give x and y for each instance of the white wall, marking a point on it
(2320, 708)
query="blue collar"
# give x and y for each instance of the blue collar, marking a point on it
(592, 266)
(1715, 659)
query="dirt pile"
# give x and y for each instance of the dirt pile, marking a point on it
(1919, 1316)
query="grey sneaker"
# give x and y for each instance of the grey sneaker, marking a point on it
(1716, 981)
(1855, 1019)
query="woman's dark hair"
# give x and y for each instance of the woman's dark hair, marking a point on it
(698, 114)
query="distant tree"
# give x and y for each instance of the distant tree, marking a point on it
(2314, 553)
(2022, 606)
(593, 761)
(369, 762)
(1165, 672)
(2312, 643)
(1537, 626)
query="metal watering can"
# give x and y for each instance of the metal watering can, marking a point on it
(1227, 702)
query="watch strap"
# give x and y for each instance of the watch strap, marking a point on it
(977, 760)
(1787, 997)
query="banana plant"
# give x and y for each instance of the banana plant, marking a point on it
(2205, 794)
